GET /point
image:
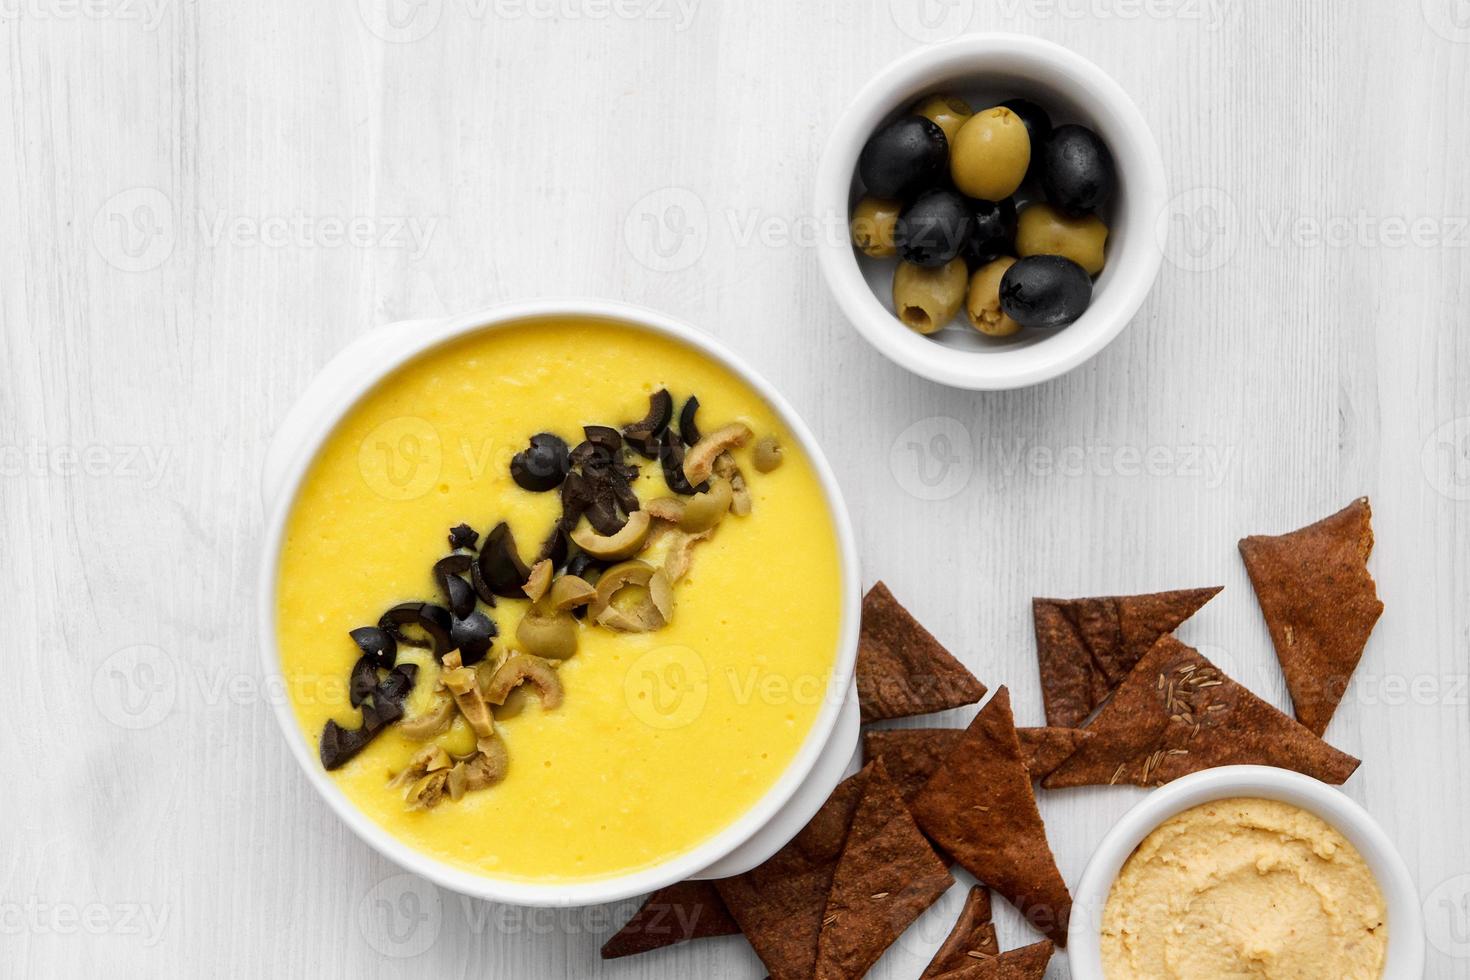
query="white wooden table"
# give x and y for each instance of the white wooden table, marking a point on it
(204, 199)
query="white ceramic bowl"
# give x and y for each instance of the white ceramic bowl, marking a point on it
(756, 834)
(992, 67)
(1405, 921)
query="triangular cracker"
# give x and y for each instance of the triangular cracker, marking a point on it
(779, 905)
(901, 669)
(913, 754)
(1085, 647)
(973, 937)
(980, 808)
(1320, 604)
(676, 914)
(1177, 714)
(1026, 963)
(887, 876)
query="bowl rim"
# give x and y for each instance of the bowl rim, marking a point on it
(1129, 137)
(430, 335)
(1405, 955)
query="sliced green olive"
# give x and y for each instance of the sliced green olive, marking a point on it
(547, 632)
(489, 765)
(699, 462)
(539, 580)
(654, 612)
(727, 469)
(431, 723)
(521, 667)
(669, 509)
(614, 547)
(428, 759)
(515, 703)
(680, 556)
(462, 683)
(571, 591)
(704, 510)
(429, 791)
(766, 455)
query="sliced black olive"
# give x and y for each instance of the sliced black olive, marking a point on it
(338, 744)
(433, 620)
(644, 435)
(602, 442)
(671, 455)
(380, 713)
(500, 567)
(458, 594)
(472, 636)
(543, 465)
(364, 681)
(585, 567)
(554, 548)
(688, 427)
(377, 644)
(397, 684)
(462, 536)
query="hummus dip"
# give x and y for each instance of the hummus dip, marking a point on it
(1244, 888)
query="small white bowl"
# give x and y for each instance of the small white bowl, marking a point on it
(1071, 89)
(1405, 921)
(756, 834)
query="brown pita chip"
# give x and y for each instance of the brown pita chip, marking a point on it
(979, 807)
(1026, 963)
(1087, 646)
(973, 937)
(1043, 749)
(779, 904)
(887, 876)
(901, 669)
(1320, 604)
(912, 755)
(1177, 714)
(676, 914)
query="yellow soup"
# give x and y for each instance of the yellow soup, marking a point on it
(663, 738)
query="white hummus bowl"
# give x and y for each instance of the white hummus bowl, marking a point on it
(1072, 89)
(1405, 959)
(823, 758)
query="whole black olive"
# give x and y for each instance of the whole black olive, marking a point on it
(932, 230)
(1077, 170)
(1038, 124)
(542, 466)
(995, 231)
(903, 157)
(1045, 291)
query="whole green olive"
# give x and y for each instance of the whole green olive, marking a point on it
(1043, 230)
(982, 302)
(927, 299)
(872, 226)
(990, 153)
(948, 112)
